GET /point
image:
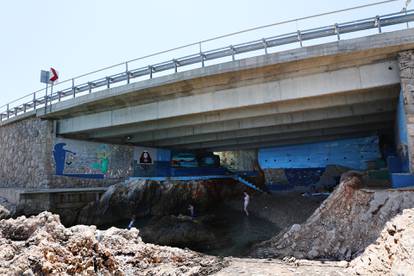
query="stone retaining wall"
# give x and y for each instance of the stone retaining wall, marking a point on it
(25, 153)
(29, 157)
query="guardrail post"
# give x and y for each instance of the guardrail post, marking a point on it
(300, 38)
(337, 31)
(108, 82)
(264, 45)
(233, 51)
(378, 23)
(203, 58)
(24, 108)
(150, 69)
(127, 72)
(34, 101)
(73, 88)
(15, 111)
(175, 65)
(8, 111)
(45, 103)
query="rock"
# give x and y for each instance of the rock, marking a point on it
(344, 264)
(41, 245)
(180, 231)
(154, 198)
(348, 221)
(4, 213)
(295, 228)
(393, 251)
(313, 253)
(7, 209)
(330, 177)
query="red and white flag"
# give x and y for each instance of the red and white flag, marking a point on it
(54, 76)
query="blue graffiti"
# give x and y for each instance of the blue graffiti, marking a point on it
(60, 154)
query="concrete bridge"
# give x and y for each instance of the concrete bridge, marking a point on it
(341, 89)
(344, 89)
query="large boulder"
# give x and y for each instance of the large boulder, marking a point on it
(155, 198)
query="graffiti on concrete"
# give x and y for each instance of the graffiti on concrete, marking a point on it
(64, 158)
(60, 154)
(103, 159)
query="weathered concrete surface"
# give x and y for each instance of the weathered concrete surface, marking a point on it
(348, 79)
(406, 64)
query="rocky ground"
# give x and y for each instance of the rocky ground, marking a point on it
(41, 245)
(372, 227)
(355, 231)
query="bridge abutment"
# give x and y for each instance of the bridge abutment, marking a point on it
(406, 64)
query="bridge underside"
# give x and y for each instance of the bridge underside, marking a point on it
(347, 114)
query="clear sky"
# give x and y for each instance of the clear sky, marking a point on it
(79, 36)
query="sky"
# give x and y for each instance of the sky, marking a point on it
(79, 36)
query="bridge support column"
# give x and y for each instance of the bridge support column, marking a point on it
(406, 63)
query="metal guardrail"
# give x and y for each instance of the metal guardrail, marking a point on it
(337, 29)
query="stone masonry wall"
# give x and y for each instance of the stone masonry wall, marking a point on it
(32, 157)
(406, 63)
(25, 153)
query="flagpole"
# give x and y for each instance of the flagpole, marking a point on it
(47, 84)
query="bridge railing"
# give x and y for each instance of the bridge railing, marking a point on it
(124, 73)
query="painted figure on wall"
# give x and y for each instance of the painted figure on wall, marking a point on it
(103, 159)
(65, 158)
(60, 154)
(145, 158)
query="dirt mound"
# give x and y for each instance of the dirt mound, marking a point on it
(348, 221)
(393, 252)
(41, 245)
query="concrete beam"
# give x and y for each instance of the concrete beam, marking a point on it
(285, 136)
(185, 125)
(276, 130)
(327, 83)
(284, 119)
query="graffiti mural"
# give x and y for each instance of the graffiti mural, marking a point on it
(102, 155)
(64, 158)
(60, 154)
